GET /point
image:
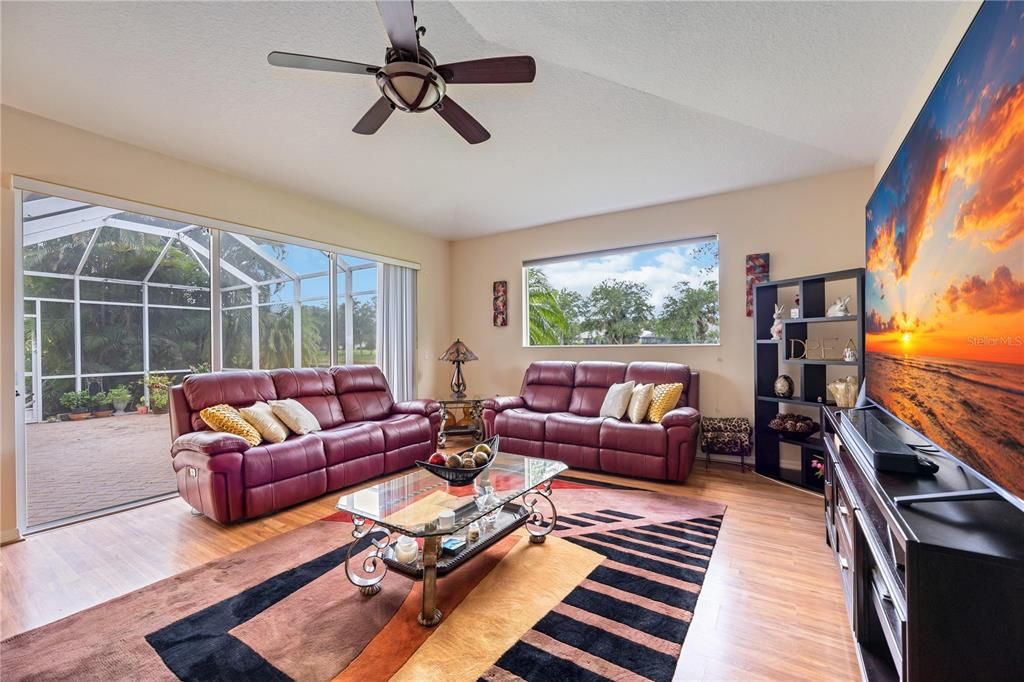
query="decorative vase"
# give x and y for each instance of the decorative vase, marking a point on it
(784, 386)
(844, 391)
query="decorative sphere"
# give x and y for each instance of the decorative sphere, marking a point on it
(784, 386)
(453, 461)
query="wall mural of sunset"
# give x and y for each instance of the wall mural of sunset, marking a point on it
(945, 258)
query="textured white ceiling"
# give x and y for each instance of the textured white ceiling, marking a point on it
(635, 103)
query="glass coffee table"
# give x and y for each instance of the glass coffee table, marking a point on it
(512, 492)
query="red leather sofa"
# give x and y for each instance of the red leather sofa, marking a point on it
(364, 434)
(555, 416)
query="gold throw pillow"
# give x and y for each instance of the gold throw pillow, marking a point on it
(665, 398)
(640, 402)
(227, 419)
(263, 420)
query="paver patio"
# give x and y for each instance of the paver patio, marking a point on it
(80, 467)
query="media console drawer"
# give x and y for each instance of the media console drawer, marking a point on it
(893, 626)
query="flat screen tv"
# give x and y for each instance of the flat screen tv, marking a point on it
(944, 290)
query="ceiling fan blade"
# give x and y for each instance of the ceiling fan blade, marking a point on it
(464, 124)
(373, 119)
(302, 61)
(494, 70)
(400, 23)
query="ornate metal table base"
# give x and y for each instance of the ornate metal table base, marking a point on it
(472, 411)
(368, 573)
(371, 570)
(537, 525)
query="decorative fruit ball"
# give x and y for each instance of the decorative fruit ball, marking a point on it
(480, 458)
(453, 461)
(437, 458)
(483, 447)
(468, 463)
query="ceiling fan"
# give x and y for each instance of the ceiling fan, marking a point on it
(411, 80)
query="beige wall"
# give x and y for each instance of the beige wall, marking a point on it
(915, 99)
(42, 149)
(809, 226)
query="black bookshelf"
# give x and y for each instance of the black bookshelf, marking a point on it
(810, 375)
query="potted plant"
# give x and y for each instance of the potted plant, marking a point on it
(142, 407)
(101, 406)
(77, 403)
(159, 391)
(119, 396)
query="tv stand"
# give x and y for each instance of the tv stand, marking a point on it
(933, 591)
(959, 496)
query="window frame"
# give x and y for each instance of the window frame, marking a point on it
(215, 228)
(642, 246)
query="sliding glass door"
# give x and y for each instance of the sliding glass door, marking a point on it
(118, 306)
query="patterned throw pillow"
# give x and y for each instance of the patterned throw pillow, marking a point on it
(227, 419)
(640, 402)
(616, 400)
(665, 398)
(295, 416)
(263, 420)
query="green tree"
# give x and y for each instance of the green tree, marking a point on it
(617, 311)
(691, 315)
(549, 324)
(364, 330)
(572, 304)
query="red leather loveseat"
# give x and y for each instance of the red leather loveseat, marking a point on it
(555, 416)
(364, 434)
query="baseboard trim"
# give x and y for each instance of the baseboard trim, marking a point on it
(10, 535)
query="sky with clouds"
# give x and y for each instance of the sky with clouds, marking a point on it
(945, 227)
(659, 268)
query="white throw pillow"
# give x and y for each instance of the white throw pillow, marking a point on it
(617, 400)
(262, 418)
(639, 402)
(295, 416)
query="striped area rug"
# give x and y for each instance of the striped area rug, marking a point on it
(610, 595)
(629, 617)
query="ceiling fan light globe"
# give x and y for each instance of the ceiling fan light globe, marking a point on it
(411, 87)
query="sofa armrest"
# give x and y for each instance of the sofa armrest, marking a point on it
(681, 416)
(209, 443)
(421, 407)
(505, 402)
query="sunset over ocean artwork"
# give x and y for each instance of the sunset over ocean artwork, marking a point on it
(944, 295)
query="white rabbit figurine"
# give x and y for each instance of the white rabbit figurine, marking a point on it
(777, 325)
(839, 309)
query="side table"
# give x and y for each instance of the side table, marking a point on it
(463, 417)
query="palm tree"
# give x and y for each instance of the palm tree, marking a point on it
(549, 323)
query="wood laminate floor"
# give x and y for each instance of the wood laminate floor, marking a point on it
(771, 606)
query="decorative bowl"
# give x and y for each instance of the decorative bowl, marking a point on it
(793, 426)
(460, 477)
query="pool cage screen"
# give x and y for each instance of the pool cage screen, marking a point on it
(112, 297)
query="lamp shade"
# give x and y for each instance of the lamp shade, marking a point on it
(458, 352)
